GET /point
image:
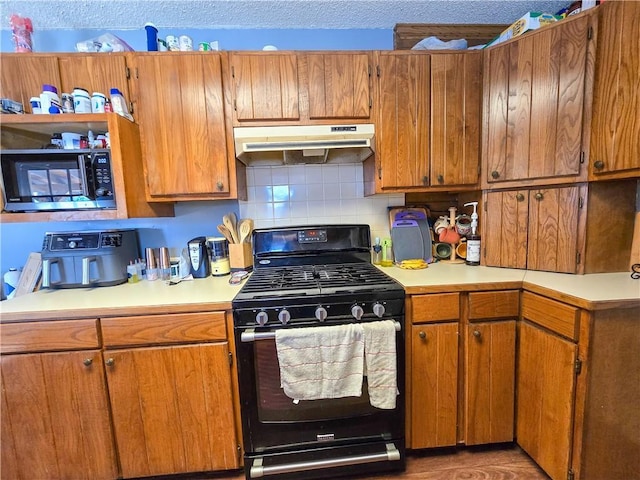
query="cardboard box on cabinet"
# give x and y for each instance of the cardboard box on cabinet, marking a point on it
(529, 21)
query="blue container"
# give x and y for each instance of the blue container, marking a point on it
(152, 37)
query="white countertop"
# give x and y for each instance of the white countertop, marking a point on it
(215, 292)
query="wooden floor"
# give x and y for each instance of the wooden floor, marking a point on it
(468, 463)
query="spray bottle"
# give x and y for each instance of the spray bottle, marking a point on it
(473, 240)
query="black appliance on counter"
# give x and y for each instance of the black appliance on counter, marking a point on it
(87, 259)
(314, 276)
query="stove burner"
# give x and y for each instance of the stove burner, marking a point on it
(315, 280)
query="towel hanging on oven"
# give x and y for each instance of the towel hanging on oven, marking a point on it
(380, 359)
(321, 362)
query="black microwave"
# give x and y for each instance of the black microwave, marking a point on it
(50, 180)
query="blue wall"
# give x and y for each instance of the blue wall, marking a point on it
(192, 218)
(228, 39)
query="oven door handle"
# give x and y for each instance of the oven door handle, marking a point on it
(251, 335)
(258, 470)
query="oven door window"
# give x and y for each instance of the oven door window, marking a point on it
(275, 406)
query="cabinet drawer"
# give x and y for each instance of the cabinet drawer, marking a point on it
(163, 329)
(557, 317)
(435, 308)
(49, 336)
(484, 305)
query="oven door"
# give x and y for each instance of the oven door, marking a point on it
(274, 422)
(46, 180)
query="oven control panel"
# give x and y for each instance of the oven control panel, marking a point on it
(290, 315)
(316, 235)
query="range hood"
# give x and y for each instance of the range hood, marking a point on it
(290, 145)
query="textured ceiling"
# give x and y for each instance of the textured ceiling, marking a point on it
(250, 14)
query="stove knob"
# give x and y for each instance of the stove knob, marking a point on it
(357, 312)
(261, 318)
(321, 314)
(378, 309)
(284, 316)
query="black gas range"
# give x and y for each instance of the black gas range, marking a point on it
(314, 276)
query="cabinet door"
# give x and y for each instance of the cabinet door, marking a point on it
(338, 85)
(546, 386)
(616, 100)
(172, 409)
(456, 90)
(265, 86)
(534, 104)
(434, 385)
(490, 382)
(505, 229)
(55, 417)
(553, 229)
(402, 129)
(23, 74)
(180, 110)
(97, 72)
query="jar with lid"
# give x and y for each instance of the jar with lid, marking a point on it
(49, 100)
(81, 100)
(98, 101)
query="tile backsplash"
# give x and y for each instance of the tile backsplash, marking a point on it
(315, 194)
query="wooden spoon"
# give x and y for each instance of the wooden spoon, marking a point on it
(226, 233)
(245, 228)
(228, 222)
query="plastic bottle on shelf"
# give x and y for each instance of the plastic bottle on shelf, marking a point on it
(49, 99)
(11, 279)
(119, 104)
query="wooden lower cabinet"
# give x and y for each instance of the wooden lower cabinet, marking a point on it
(577, 389)
(172, 404)
(55, 417)
(490, 382)
(546, 389)
(434, 391)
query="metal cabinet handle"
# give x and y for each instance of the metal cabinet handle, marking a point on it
(87, 362)
(495, 174)
(220, 186)
(425, 180)
(422, 335)
(440, 179)
(477, 334)
(599, 164)
(520, 197)
(109, 362)
(539, 196)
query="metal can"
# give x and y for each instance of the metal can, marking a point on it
(204, 47)
(172, 43)
(67, 103)
(185, 43)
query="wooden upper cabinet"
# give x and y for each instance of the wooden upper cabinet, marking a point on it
(180, 109)
(402, 126)
(534, 101)
(615, 149)
(97, 72)
(264, 86)
(456, 97)
(338, 85)
(536, 229)
(22, 76)
(427, 121)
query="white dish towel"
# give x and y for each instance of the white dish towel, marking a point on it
(321, 362)
(380, 358)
